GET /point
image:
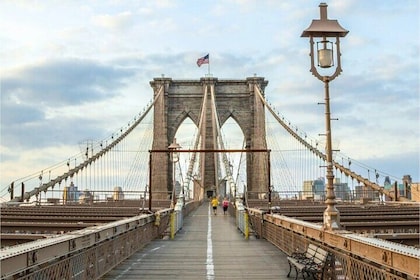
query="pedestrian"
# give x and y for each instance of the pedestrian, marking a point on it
(225, 205)
(214, 204)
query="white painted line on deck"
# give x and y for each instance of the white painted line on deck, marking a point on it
(209, 262)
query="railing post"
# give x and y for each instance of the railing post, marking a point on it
(172, 225)
(180, 220)
(246, 226)
(22, 192)
(12, 189)
(150, 181)
(395, 191)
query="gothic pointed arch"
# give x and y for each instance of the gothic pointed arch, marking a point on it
(234, 99)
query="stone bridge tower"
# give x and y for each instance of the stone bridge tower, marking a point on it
(181, 99)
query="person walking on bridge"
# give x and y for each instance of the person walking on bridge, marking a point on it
(225, 205)
(214, 204)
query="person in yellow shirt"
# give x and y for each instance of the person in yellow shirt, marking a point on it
(214, 204)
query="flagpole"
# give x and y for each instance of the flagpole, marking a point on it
(208, 67)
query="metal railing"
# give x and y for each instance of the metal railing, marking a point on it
(84, 254)
(355, 256)
(91, 252)
(177, 220)
(242, 219)
(177, 217)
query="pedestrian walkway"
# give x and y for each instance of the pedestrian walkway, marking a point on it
(207, 247)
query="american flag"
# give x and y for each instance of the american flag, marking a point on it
(203, 60)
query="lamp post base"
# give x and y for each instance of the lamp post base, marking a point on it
(331, 218)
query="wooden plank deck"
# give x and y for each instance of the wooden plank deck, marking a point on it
(207, 247)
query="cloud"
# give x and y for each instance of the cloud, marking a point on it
(58, 83)
(31, 95)
(401, 164)
(12, 113)
(113, 22)
(40, 133)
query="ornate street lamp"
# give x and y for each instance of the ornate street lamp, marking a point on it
(174, 155)
(324, 28)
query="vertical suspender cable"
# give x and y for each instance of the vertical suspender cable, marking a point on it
(218, 135)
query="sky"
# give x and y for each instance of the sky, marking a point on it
(76, 70)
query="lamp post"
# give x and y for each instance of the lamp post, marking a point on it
(325, 28)
(174, 155)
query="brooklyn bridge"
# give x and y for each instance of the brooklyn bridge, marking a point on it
(137, 205)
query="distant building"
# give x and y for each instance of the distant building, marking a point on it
(314, 189)
(86, 197)
(307, 190)
(387, 183)
(318, 188)
(341, 190)
(366, 193)
(403, 190)
(70, 193)
(415, 191)
(118, 194)
(406, 186)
